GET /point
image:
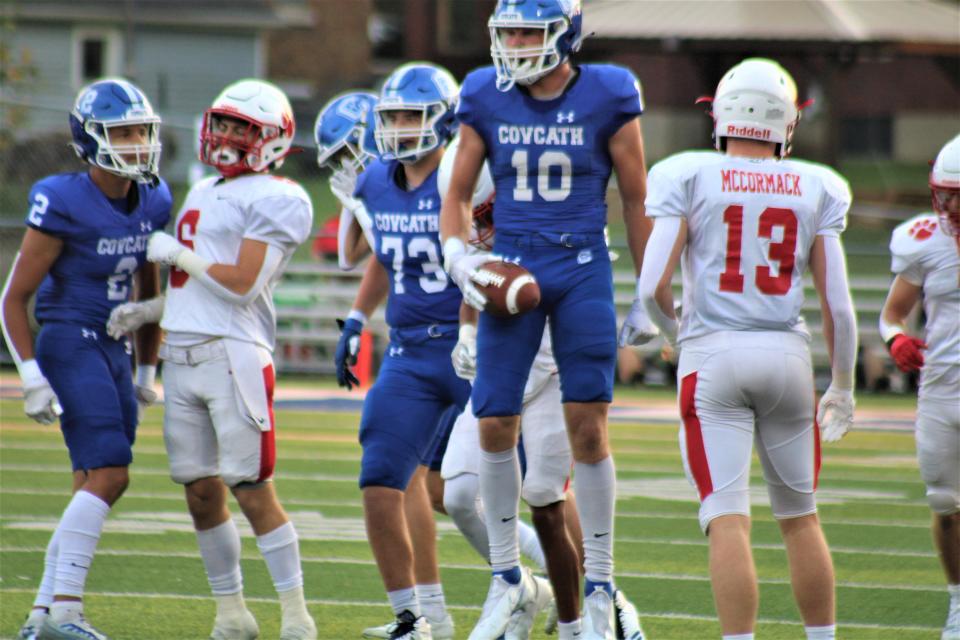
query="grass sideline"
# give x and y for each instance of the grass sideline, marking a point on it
(148, 582)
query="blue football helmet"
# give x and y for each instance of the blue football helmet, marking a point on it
(99, 110)
(344, 132)
(416, 87)
(561, 23)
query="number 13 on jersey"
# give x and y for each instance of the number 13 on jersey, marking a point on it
(782, 252)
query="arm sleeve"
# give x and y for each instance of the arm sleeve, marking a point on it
(655, 261)
(841, 310)
(347, 215)
(281, 221)
(47, 212)
(271, 262)
(836, 203)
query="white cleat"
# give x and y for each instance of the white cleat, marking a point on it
(951, 630)
(598, 616)
(379, 633)
(503, 599)
(410, 627)
(31, 626)
(521, 622)
(441, 629)
(627, 620)
(242, 626)
(303, 628)
(76, 628)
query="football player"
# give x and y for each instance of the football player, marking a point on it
(552, 132)
(84, 253)
(416, 386)
(748, 222)
(927, 267)
(346, 145)
(235, 234)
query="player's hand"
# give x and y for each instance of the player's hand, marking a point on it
(131, 316)
(464, 268)
(835, 414)
(145, 398)
(905, 351)
(464, 354)
(348, 346)
(163, 248)
(40, 402)
(637, 328)
(342, 184)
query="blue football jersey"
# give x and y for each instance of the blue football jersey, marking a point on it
(102, 247)
(406, 230)
(550, 158)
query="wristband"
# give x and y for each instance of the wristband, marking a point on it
(890, 331)
(842, 380)
(193, 264)
(146, 374)
(359, 316)
(30, 373)
(453, 248)
(468, 333)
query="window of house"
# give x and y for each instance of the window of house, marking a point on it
(96, 53)
(867, 136)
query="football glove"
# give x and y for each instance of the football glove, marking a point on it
(39, 400)
(464, 354)
(348, 346)
(835, 413)
(164, 248)
(133, 315)
(637, 328)
(143, 387)
(465, 270)
(342, 184)
(905, 351)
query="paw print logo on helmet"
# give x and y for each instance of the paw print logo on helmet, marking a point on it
(756, 100)
(115, 128)
(415, 114)
(945, 187)
(248, 129)
(344, 132)
(531, 38)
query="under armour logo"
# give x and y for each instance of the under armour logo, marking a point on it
(146, 226)
(396, 352)
(564, 117)
(89, 333)
(425, 203)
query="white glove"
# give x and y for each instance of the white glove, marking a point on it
(464, 354)
(342, 184)
(164, 248)
(143, 387)
(835, 414)
(464, 269)
(637, 328)
(131, 316)
(39, 400)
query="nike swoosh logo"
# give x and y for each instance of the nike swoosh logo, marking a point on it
(507, 519)
(600, 535)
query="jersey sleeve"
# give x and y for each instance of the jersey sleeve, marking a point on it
(905, 254)
(666, 195)
(283, 221)
(47, 212)
(470, 93)
(836, 202)
(625, 97)
(161, 205)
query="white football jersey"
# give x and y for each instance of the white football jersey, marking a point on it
(751, 224)
(926, 257)
(542, 368)
(215, 218)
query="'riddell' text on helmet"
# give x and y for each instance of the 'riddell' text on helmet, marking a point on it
(267, 134)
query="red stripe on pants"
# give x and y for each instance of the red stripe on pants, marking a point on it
(696, 454)
(268, 445)
(816, 449)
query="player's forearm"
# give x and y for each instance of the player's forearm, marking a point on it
(374, 287)
(16, 327)
(639, 228)
(455, 218)
(900, 301)
(468, 315)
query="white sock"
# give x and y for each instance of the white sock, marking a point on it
(461, 499)
(569, 630)
(293, 606)
(220, 551)
(282, 554)
(45, 591)
(530, 546)
(66, 610)
(828, 632)
(596, 488)
(431, 600)
(404, 600)
(79, 532)
(954, 591)
(229, 604)
(500, 493)
(739, 636)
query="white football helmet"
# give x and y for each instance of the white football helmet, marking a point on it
(945, 187)
(481, 233)
(757, 100)
(268, 137)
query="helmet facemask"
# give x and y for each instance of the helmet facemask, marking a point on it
(408, 143)
(138, 162)
(525, 65)
(232, 153)
(346, 155)
(946, 204)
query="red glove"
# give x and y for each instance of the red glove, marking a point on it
(905, 352)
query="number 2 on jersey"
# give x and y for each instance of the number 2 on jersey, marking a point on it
(782, 252)
(186, 230)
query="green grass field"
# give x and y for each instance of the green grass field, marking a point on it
(148, 581)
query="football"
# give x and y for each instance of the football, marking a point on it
(512, 290)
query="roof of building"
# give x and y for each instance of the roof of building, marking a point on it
(236, 14)
(914, 21)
